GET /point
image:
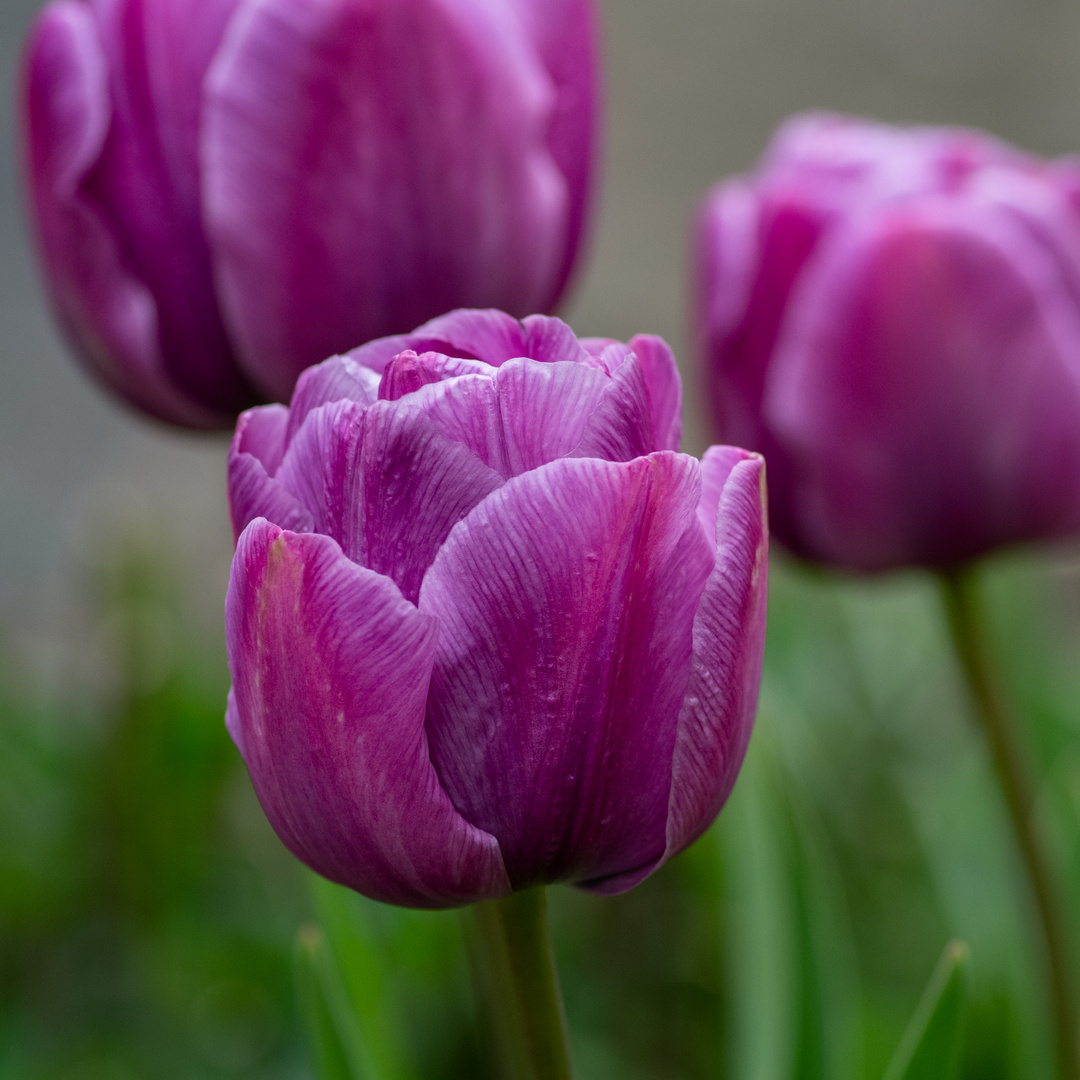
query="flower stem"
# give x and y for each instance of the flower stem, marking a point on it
(514, 972)
(992, 714)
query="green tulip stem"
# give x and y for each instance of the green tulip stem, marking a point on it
(992, 714)
(514, 971)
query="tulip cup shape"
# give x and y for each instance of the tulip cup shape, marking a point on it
(487, 629)
(225, 192)
(892, 316)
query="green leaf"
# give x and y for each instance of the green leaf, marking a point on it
(372, 943)
(929, 1049)
(793, 984)
(326, 1010)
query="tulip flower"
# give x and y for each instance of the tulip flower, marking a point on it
(487, 629)
(225, 192)
(892, 316)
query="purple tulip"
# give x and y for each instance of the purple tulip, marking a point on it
(892, 316)
(486, 627)
(227, 191)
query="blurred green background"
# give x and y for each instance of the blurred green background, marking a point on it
(147, 912)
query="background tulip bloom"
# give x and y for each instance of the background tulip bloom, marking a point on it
(486, 628)
(228, 191)
(892, 316)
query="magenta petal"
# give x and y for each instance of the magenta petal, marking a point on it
(367, 166)
(753, 247)
(147, 186)
(544, 410)
(408, 371)
(594, 346)
(262, 432)
(621, 427)
(417, 485)
(565, 603)
(108, 311)
(466, 410)
(385, 483)
(661, 375)
(642, 409)
(479, 333)
(550, 340)
(378, 353)
(927, 386)
(254, 456)
(729, 643)
(716, 465)
(341, 378)
(527, 415)
(567, 36)
(320, 468)
(330, 670)
(489, 336)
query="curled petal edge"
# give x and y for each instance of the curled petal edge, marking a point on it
(330, 668)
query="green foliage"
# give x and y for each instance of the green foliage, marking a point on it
(793, 982)
(407, 983)
(333, 1033)
(930, 1048)
(146, 910)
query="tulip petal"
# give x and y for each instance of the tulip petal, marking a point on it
(567, 36)
(407, 372)
(550, 340)
(958, 353)
(262, 432)
(146, 181)
(340, 378)
(661, 375)
(107, 310)
(484, 334)
(545, 410)
(254, 456)
(367, 165)
(751, 253)
(640, 411)
(475, 333)
(385, 483)
(716, 465)
(417, 485)
(729, 644)
(565, 603)
(530, 413)
(330, 668)
(321, 468)
(378, 353)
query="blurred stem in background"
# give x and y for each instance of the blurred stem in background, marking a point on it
(993, 716)
(514, 971)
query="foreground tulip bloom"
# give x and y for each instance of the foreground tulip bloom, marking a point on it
(487, 628)
(892, 316)
(227, 191)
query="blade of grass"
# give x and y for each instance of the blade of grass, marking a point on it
(930, 1047)
(794, 988)
(324, 1003)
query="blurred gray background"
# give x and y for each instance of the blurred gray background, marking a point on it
(694, 89)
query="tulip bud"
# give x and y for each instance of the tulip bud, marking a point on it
(487, 628)
(892, 316)
(225, 192)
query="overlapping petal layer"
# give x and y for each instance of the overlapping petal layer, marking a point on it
(565, 606)
(892, 316)
(227, 191)
(330, 674)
